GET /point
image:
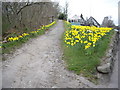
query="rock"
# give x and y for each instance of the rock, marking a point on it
(109, 60)
(99, 75)
(109, 53)
(54, 87)
(105, 69)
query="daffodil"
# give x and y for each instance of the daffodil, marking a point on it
(87, 35)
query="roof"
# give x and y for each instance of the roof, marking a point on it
(75, 17)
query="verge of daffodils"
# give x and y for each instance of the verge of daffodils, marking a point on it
(33, 32)
(86, 36)
(22, 36)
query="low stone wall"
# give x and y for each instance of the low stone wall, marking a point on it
(107, 62)
(114, 49)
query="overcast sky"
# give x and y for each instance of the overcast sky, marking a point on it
(96, 8)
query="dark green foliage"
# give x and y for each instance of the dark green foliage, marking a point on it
(62, 16)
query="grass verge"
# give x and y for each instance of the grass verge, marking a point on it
(85, 64)
(10, 46)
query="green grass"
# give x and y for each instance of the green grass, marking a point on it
(11, 46)
(82, 62)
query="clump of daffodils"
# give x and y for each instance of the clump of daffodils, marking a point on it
(0, 44)
(32, 32)
(18, 37)
(50, 24)
(85, 35)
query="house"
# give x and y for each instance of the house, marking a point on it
(75, 18)
(79, 20)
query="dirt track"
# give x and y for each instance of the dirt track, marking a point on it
(39, 64)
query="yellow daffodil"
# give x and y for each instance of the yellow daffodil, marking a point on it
(88, 35)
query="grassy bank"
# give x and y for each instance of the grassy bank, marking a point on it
(83, 61)
(15, 41)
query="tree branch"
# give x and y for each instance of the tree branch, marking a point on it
(26, 6)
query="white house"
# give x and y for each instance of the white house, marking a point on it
(75, 18)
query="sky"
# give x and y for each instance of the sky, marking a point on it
(96, 8)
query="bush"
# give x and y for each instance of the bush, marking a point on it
(62, 16)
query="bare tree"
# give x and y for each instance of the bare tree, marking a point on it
(30, 15)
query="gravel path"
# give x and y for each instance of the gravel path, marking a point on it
(39, 64)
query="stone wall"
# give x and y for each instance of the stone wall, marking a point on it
(115, 47)
(105, 70)
(107, 62)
